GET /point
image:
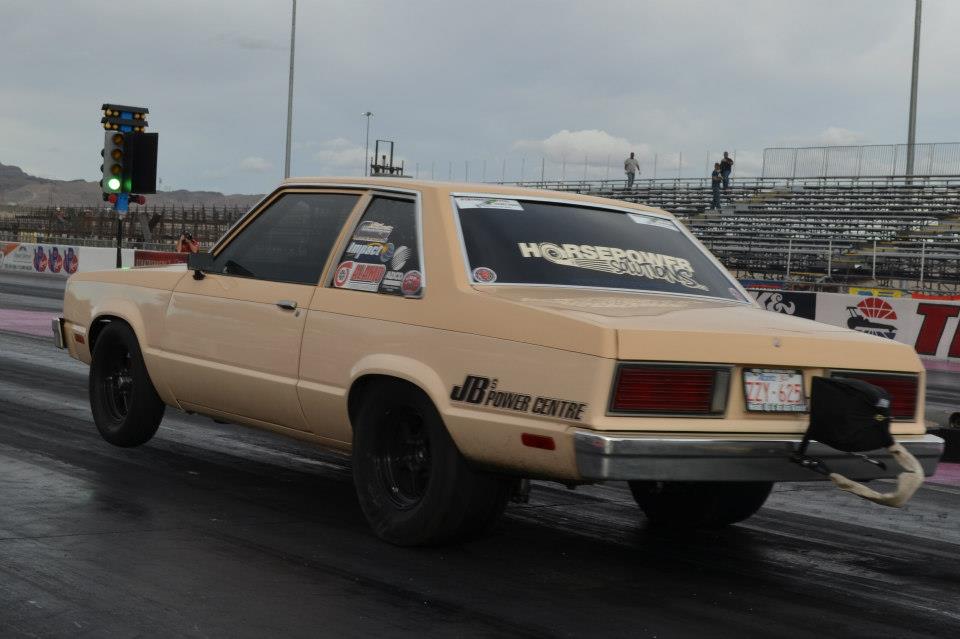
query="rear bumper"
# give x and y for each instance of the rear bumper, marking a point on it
(658, 458)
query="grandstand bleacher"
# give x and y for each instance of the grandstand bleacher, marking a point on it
(814, 232)
(887, 232)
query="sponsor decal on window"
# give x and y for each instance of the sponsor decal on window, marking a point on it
(361, 249)
(639, 218)
(370, 231)
(412, 283)
(484, 275)
(391, 282)
(484, 391)
(359, 276)
(399, 258)
(654, 266)
(488, 203)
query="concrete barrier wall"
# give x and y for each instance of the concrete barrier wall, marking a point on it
(59, 260)
(931, 326)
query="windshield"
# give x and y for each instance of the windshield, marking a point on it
(528, 242)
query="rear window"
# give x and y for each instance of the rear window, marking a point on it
(511, 241)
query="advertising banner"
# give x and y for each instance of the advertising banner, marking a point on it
(50, 259)
(931, 327)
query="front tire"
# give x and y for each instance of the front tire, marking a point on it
(699, 504)
(413, 485)
(125, 405)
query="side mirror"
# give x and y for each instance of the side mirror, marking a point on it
(199, 263)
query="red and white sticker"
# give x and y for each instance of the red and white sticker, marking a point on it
(412, 283)
(342, 274)
(359, 276)
(484, 275)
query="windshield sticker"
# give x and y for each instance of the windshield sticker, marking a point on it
(359, 276)
(484, 391)
(484, 275)
(653, 221)
(370, 231)
(488, 203)
(654, 266)
(399, 258)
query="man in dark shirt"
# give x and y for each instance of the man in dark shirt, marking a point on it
(716, 178)
(726, 166)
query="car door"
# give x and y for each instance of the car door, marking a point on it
(233, 337)
(370, 296)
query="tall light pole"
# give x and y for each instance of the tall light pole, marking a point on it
(293, 34)
(912, 127)
(366, 150)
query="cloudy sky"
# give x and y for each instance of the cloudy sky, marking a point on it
(467, 88)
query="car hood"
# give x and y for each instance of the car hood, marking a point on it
(678, 328)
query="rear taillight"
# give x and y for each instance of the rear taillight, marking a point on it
(903, 390)
(670, 389)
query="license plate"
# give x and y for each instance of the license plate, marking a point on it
(773, 391)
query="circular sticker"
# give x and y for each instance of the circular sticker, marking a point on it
(484, 275)
(342, 274)
(400, 258)
(386, 252)
(412, 282)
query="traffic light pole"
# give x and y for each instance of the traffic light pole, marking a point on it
(121, 206)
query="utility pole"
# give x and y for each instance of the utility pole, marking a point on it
(912, 127)
(366, 152)
(293, 33)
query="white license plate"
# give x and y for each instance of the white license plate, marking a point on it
(774, 391)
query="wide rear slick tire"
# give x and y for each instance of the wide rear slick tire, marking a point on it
(125, 405)
(690, 505)
(413, 485)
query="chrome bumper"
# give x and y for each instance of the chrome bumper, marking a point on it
(59, 338)
(659, 458)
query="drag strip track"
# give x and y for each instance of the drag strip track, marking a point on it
(218, 530)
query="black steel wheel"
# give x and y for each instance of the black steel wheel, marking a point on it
(125, 405)
(402, 458)
(414, 486)
(699, 504)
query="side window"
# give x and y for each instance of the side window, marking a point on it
(290, 240)
(383, 254)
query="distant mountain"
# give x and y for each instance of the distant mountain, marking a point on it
(17, 187)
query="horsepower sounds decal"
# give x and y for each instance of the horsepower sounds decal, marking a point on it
(653, 266)
(483, 391)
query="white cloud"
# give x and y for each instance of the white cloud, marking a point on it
(573, 146)
(341, 156)
(255, 164)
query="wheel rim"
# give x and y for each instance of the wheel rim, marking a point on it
(402, 457)
(117, 384)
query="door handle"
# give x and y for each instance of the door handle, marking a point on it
(287, 305)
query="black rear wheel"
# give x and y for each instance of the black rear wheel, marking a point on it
(699, 504)
(125, 405)
(414, 486)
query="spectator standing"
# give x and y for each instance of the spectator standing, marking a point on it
(726, 167)
(716, 179)
(631, 167)
(186, 244)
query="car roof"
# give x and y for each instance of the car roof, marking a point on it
(442, 188)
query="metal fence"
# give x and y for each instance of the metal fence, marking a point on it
(875, 160)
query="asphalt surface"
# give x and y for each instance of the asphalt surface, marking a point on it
(216, 530)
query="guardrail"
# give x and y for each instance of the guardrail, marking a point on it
(873, 160)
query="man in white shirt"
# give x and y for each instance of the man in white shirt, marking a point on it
(631, 167)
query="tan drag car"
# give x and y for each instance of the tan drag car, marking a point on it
(457, 338)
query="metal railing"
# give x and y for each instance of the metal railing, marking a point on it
(874, 160)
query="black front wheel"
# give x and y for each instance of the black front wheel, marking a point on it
(699, 504)
(414, 486)
(125, 405)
